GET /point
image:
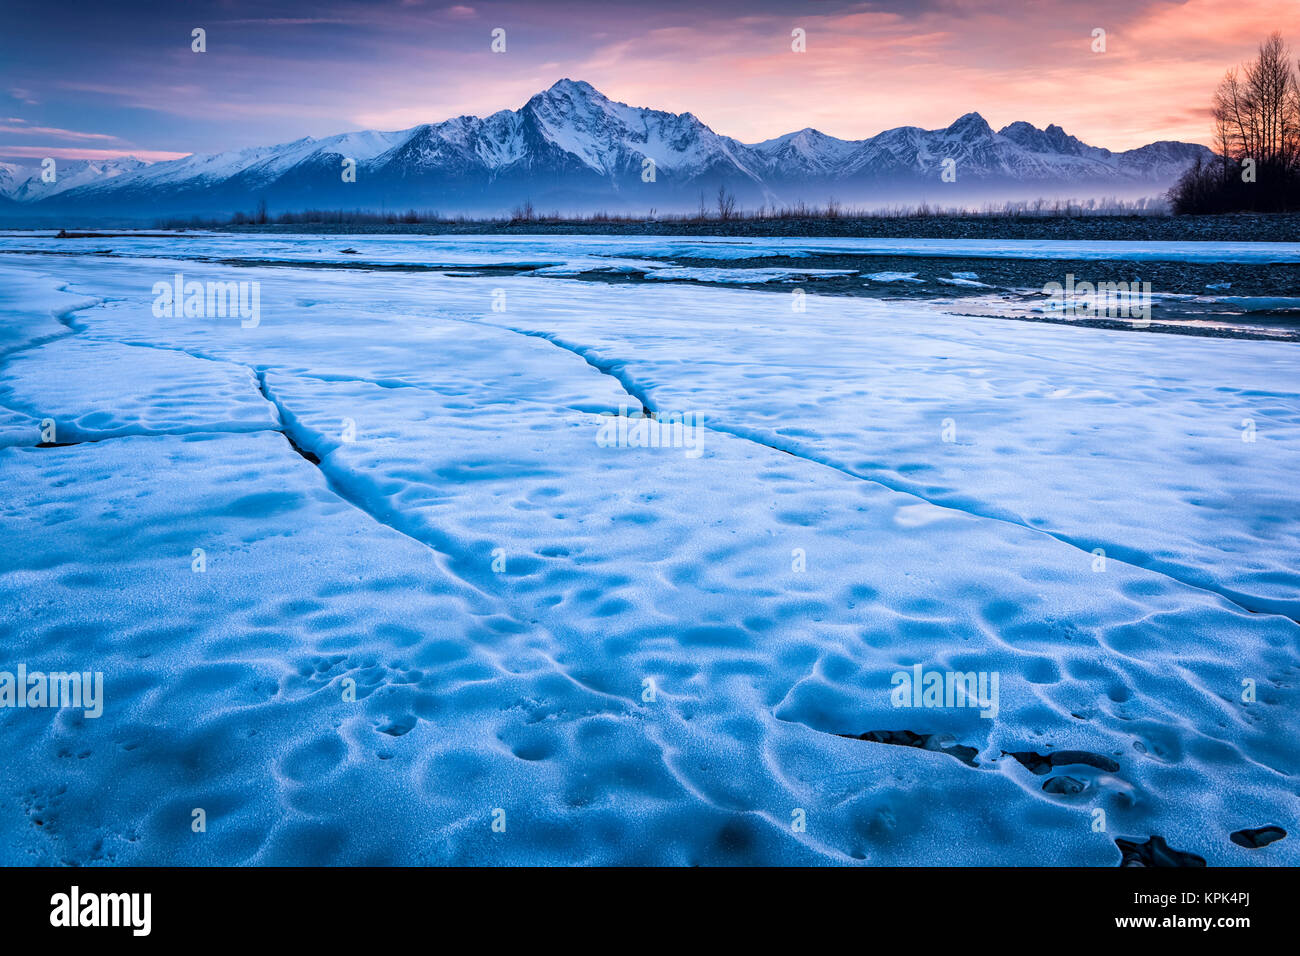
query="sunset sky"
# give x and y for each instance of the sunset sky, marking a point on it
(97, 79)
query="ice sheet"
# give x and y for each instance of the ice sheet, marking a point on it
(636, 654)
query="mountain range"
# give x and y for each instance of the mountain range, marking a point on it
(572, 149)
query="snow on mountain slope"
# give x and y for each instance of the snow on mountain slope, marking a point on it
(360, 146)
(24, 183)
(1162, 159)
(808, 151)
(611, 136)
(1053, 139)
(11, 176)
(1019, 153)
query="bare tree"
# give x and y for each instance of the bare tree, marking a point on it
(1257, 110)
(726, 203)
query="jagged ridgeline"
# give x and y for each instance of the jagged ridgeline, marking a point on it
(573, 150)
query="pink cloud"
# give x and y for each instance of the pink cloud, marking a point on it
(19, 126)
(74, 152)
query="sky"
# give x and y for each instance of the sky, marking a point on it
(87, 80)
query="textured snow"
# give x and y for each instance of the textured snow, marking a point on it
(451, 434)
(94, 390)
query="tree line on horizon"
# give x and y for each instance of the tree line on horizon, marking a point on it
(526, 214)
(1256, 113)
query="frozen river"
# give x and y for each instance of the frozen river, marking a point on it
(429, 566)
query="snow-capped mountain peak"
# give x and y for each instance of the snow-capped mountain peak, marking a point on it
(1049, 140)
(808, 150)
(971, 126)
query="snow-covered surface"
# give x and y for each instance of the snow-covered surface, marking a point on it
(881, 485)
(696, 274)
(963, 281)
(892, 277)
(94, 390)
